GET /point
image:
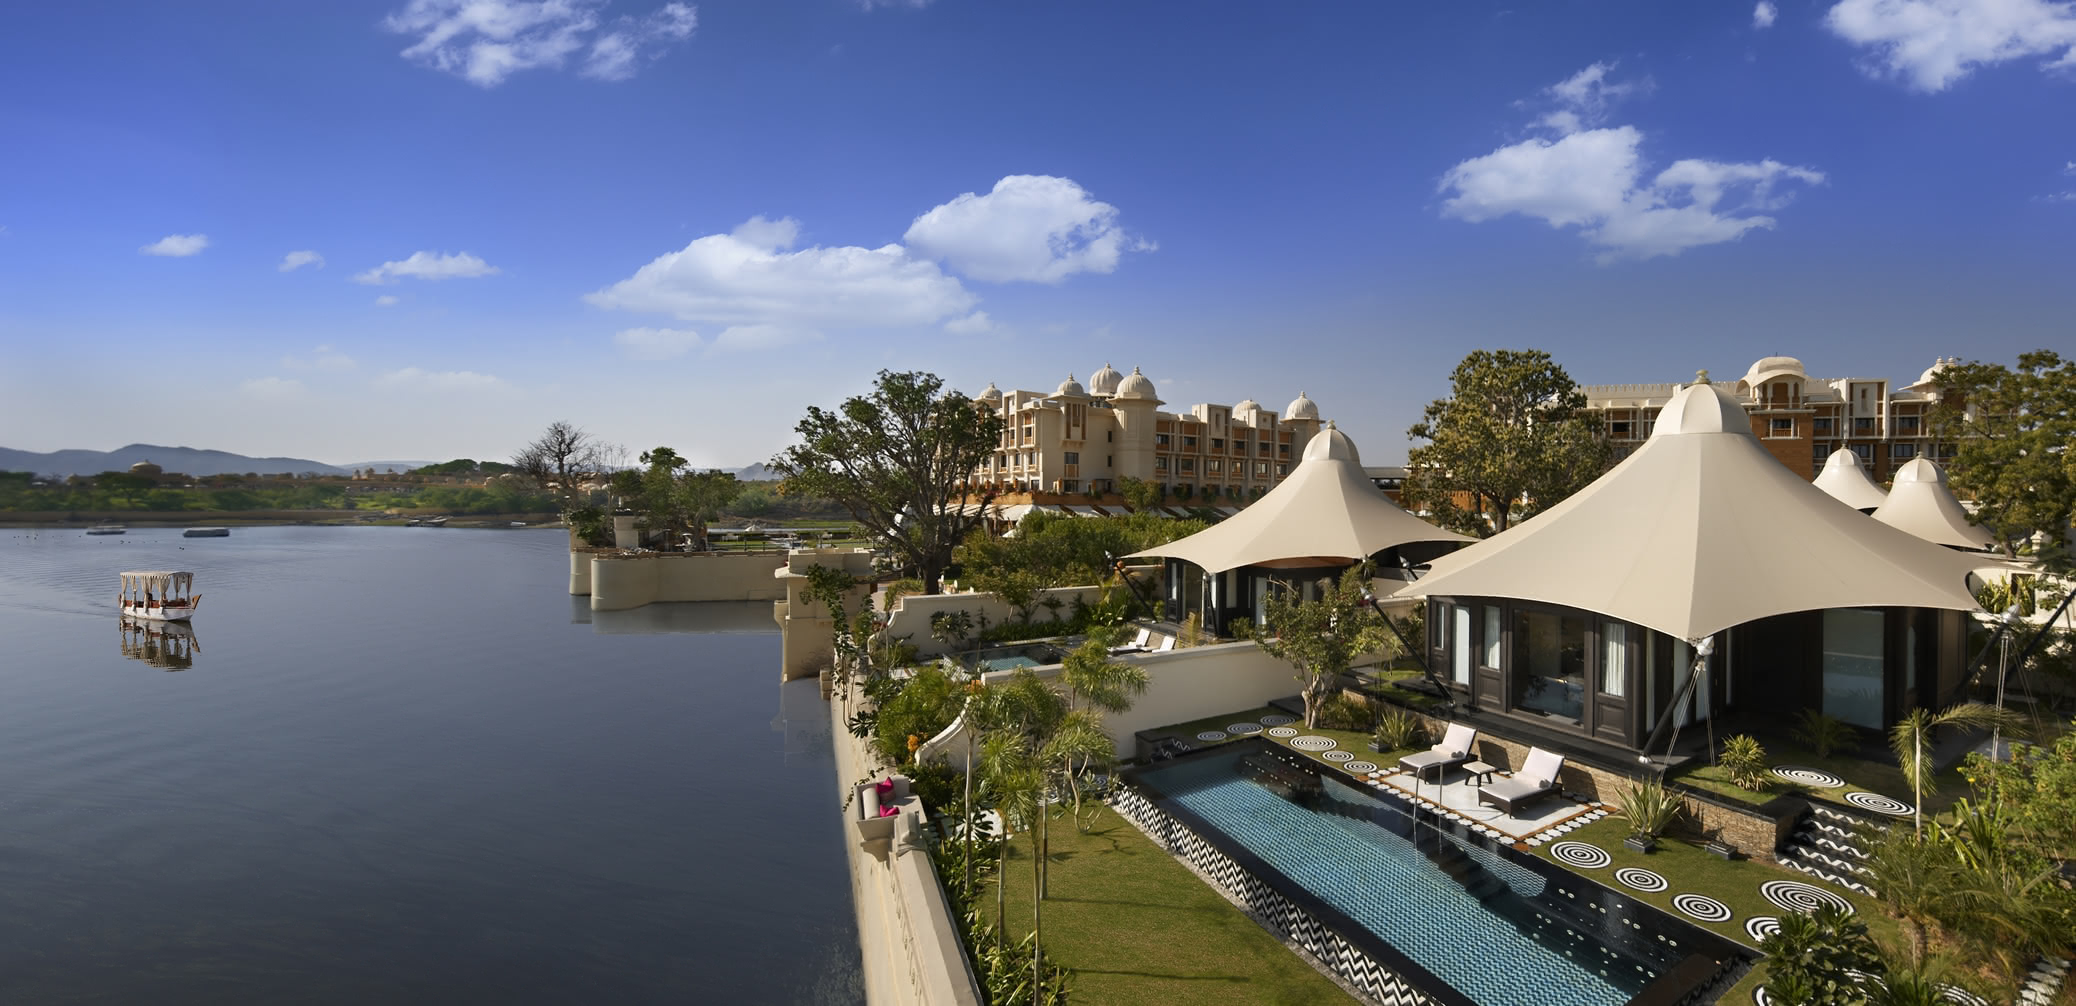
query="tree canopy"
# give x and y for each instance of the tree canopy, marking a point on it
(1513, 438)
(2012, 427)
(676, 502)
(562, 456)
(898, 461)
(1321, 639)
(1060, 550)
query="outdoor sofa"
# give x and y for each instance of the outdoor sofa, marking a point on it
(1455, 749)
(1537, 778)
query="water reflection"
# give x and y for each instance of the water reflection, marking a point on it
(703, 617)
(170, 645)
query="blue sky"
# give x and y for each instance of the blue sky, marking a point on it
(427, 228)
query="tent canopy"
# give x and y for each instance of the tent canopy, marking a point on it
(1921, 503)
(1327, 508)
(1845, 478)
(1701, 530)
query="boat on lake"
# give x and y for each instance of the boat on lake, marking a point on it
(107, 527)
(165, 595)
(206, 532)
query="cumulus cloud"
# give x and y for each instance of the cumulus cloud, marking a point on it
(1583, 99)
(1594, 179)
(1764, 13)
(656, 343)
(415, 379)
(297, 259)
(177, 245)
(1033, 228)
(746, 338)
(753, 276)
(272, 387)
(386, 300)
(321, 358)
(973, 324)
(1930, 44)
(910, 4)
(486, 41)
(428, 265)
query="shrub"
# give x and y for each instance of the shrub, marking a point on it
(1824, 734)
(1745, 760)
(925, 705)
(1339, 712)
(1649, 807)
(902, 588)
(1400, 728)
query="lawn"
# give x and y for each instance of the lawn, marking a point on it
(1881, 777)
(1136, 926)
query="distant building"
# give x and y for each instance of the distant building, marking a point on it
(1800, 420)
(1083, 441)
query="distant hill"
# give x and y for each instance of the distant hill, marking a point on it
(756, 473)
(384, 466)
(185, 460)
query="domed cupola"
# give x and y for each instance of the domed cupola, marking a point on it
(1135, 385)
(1103, 383)
(146, 468)
(1302, 408)
(1247, 405)
(991, 395)
(1071, 388)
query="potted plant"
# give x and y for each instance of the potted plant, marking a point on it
(1650, 810)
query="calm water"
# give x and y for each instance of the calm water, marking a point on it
(404, 766)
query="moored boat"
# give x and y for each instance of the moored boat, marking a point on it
(107, 527)
(159, 594)
(206, 532)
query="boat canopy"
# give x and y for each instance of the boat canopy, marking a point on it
(161, 582)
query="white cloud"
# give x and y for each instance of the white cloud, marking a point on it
(320, 358)
(386, 300)
(412, 378)
(177, 245)
(2067, 169)
(485, 41)
(973, 324)
(656, 343)
(746, 338)
(1930, 44)
(911, 4)
(1034, 228)
(752, 277)
(1583, 98)
(1593, 179)
(428, 265)
(272, 387)
(1764, 13)
(297, 259)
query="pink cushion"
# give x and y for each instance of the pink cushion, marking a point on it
(885, 786)
(889, 810)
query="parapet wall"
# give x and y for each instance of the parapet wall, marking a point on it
(911, 615)
(621, 580)
(1190, 684)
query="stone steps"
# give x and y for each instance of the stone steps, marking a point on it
(1826, 844)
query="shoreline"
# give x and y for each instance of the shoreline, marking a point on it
(162, 519)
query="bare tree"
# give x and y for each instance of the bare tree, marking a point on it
(560, 458)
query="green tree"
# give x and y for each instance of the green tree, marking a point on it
(1138, 494)
(1321, 639)
(1911, 740)
(1513, 438)
(898, 460)
(2012, 428)
(1915, 880)
(679, 502)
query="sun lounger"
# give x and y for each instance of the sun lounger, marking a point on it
(1135, 646)
(1455, 749)
(1167, 643)
(1537, 778)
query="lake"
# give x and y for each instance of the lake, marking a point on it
(405, 766)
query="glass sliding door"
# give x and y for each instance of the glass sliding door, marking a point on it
(1853, 655)
(1549, 667)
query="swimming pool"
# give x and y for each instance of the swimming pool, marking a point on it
(1458, 917)
(1009, 658)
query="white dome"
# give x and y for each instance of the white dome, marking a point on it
(1768, 368)
(1135, 385)
(1919, 470)
(1301, 408)
(1104, 382)
(992, 395)
(1071, 388)
(1701, 408)
(1932, 372)
(1247, 405)
(1332, 443)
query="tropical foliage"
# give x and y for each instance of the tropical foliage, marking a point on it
(1321, 639)
(674, 501)
(1745, 760)
(1649, 807)
(1058, 550)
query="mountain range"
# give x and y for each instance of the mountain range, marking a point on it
(196, 461)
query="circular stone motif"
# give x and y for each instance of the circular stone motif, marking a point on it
(1243, 728)
(1361, 767)
(1338, 756)
(1760, 996)
(1212, 735)
(1808, 776)
(1314, 742)
(1283, 732)
(1579, 854)
(1702, 907)
(1758, 927)
(1277, 720)
(1641, 879)
(1956, 994)
(1878, 804)
(1796, 896)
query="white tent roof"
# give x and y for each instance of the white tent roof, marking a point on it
(1845, 478)
(1921, 504)
(1327, 508)
(1701, 530)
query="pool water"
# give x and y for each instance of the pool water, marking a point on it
(1009, 658)
(1475, 918)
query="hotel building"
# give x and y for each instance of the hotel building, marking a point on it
(1082, 441)
(1800, 420)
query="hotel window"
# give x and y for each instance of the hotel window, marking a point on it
(1109, 436)
(1619, 428)
(1188, 441)
(1282, 469)
(1283, 450)
(1160, 464)
(1160, 440)
(1261, 468)
(1189, 464)
(1072, 457)
(1823, 425)
(1820, 453)
(1863, 424)
(1215, 466)
(1902, 452)
(1906, 426)
(1218, 443)
(1108, 461)
(1266, 447)
(1614, 658)
(1781, 426)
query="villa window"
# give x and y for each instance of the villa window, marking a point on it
(1782, 426)
(1492, 635)
(1282, 469)
(1853, 656)
(1460, 644)
(1266, 447)
(1549, 672)
(1109, 436)
(1614, 659)
(1619, 428)
(1108, 461)
(1072, 457)
(1902, 452)
(1070, 487)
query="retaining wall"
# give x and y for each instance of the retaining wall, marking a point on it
(621, 580)
(911, 614)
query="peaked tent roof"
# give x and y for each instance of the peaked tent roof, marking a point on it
(1921, 504)
(1845, 478)
(1700, 530)
(1327, 508)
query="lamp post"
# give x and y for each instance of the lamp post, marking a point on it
(2008, 618)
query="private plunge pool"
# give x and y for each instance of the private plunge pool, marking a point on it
(1009, 658)
(1459, 918)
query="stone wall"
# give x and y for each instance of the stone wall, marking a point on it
(621, 580)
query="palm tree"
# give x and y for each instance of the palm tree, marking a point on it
(1915, 880)
(1912, 735)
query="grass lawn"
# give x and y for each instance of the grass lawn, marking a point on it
(1355, 742)
(1137, 927)
(1882, 777)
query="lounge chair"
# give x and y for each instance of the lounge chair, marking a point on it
(1167, 643)
(1455, 749)
(1538, 777)
(1135, 646)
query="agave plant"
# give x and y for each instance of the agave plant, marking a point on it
(1399, 728)
(1649, 808)
(1745, 760)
